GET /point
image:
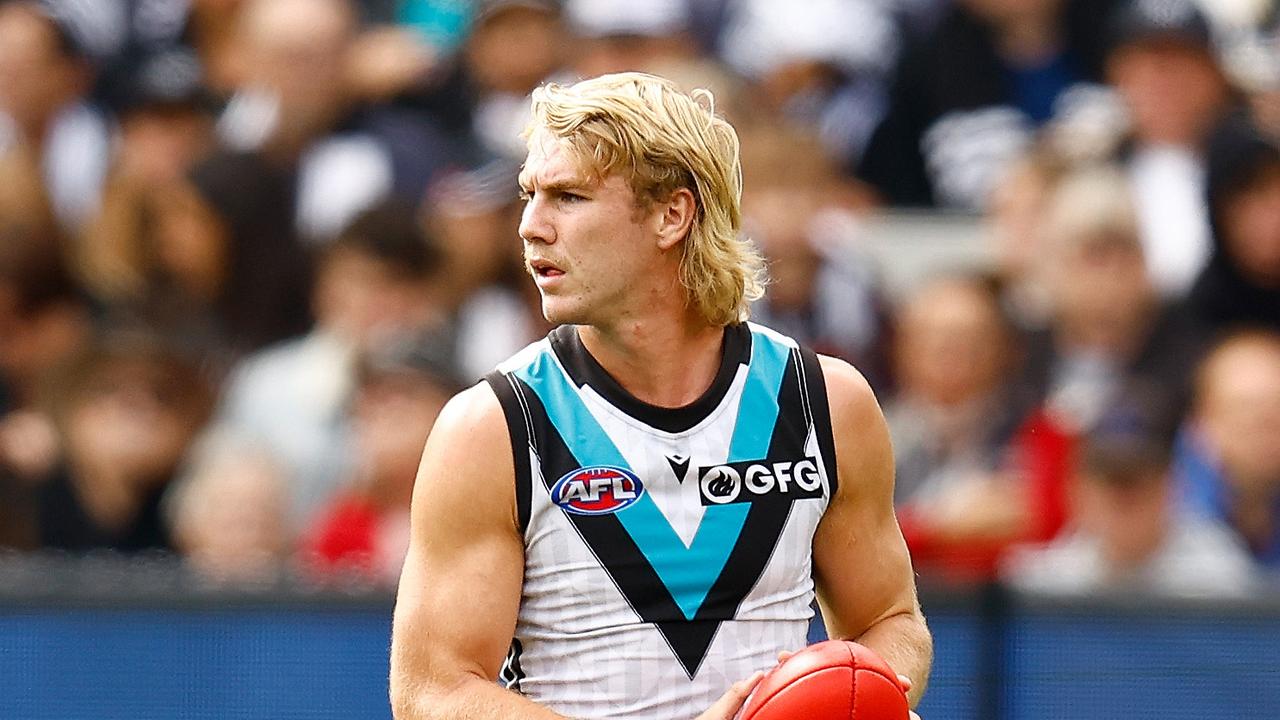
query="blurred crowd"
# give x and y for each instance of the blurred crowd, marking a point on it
(248, 248)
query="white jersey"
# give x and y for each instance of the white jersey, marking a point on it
(667, 551)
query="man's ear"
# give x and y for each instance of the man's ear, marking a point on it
(677, 215)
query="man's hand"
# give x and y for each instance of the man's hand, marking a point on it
(906, 684)
(727, 707)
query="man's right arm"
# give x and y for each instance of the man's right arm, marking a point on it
(460, 588)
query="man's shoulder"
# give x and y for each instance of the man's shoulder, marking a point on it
(847, 389)
(471, 411)
(467, 468)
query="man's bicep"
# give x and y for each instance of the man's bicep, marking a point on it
(460, 589)
(861, 564)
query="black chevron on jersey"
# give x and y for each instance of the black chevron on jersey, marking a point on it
(629, 567)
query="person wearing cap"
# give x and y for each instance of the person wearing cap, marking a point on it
(1162, 65)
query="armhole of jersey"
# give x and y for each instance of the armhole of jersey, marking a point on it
(519, 427)
(817, 388)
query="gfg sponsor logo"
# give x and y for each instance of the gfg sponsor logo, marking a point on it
(750, 481)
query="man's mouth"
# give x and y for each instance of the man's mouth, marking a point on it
(544, 269)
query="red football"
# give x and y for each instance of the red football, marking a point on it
(832, 680)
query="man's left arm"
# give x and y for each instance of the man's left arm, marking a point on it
(866, 587)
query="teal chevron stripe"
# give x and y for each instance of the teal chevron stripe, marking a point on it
(688, 572)
(758, 410)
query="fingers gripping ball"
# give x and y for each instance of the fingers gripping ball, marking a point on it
(832, 680)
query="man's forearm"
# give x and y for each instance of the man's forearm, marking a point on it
(904, 642)
(472, 698)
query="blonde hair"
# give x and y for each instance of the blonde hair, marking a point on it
(1089, 203)
(662, 140)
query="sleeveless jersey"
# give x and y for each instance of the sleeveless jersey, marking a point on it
(667, 551)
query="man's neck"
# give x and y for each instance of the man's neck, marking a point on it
(660, 362)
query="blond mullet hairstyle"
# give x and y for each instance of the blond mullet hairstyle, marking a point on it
(661, 140)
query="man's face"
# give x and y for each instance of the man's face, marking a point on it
(134, 417)
(296, 49)
(781, 218)
(1240, 412)
(586, 242)
(1252, 223)
(365, 301)
(1130, 522)
(1101, 281)
(1173, 91)
(35, 78)
(515, 49)
(951, 344)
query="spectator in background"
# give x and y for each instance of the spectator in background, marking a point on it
(1241, 284)
(48, 129)
(487, 290)
(1110, 337)
(968, 97)
(377, 284)
(458, 99)
(1126, 534)
(44, 318)
(364, 530)
(24, 204)
(959, 501)
(164, 126)
(616, 37)
(801, 213)
(293, 106)
(1013, 219)
(1162, 65)
(951, 415)
(212, 26)
(1228, 461)
(227, 513)
(513, 46)
(125, 411)
(43, 321)
(473, 104)
(1109, 344)
(822, 64)
(211, 261)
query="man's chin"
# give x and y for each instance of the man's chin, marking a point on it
(558, 312)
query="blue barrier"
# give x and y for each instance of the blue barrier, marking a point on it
(266, 664)
(315, 658)
(1143, 666)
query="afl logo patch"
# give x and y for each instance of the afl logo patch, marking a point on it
(596, 490)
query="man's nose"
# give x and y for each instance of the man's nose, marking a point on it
(535, 225)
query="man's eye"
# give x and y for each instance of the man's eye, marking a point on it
(572, 197)
(524, 195)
